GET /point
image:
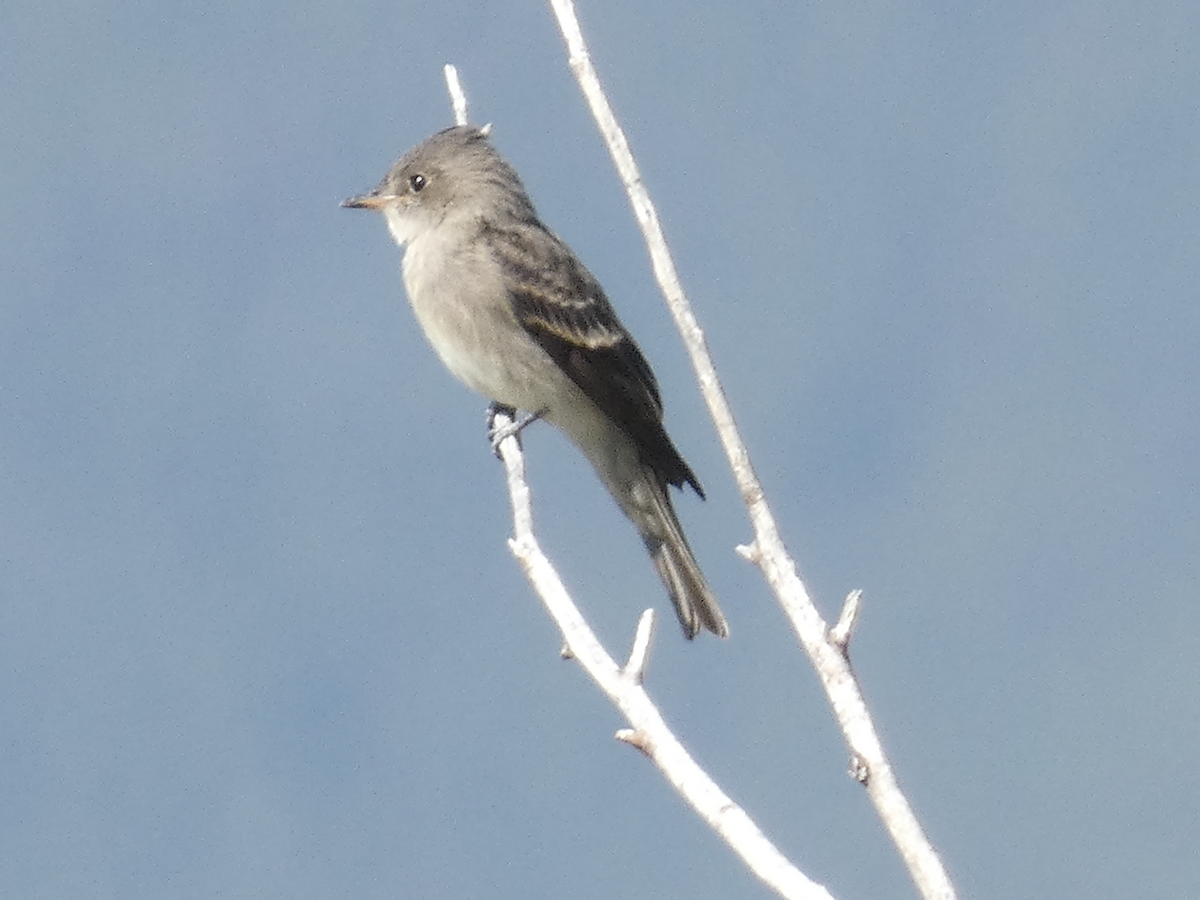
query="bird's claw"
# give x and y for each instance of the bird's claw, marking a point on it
(498, 434)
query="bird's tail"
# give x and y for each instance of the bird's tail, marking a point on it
(695, 604)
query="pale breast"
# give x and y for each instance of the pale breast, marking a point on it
(462, 306)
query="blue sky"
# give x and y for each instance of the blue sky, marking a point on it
(260, 634)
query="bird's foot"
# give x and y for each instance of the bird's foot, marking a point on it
(512, 427)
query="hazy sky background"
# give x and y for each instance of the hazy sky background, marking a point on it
(260, 634)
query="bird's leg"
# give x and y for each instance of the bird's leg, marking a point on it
(513, 428)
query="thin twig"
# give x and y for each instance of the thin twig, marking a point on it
(639, 655)
(843, 630)
(830, 660)
(458, 97)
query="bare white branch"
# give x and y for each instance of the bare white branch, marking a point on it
(458, 99)
(648, 731)
(829, 660)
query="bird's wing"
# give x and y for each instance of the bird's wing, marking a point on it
(562, 306)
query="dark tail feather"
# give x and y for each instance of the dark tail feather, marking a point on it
(694, 602)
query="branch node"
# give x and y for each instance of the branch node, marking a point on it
(859, 770)
(565, 651)
(843, 629)
(749, 552)
(635, 737)
(639, 655)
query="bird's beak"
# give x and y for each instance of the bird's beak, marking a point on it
(373, 200)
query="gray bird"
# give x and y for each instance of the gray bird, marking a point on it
(517, 317)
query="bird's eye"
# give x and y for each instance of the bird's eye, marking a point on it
(417, 183)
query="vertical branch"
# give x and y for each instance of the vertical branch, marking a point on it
(458, 98)
(830, 659)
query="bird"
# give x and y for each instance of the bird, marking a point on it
(512, 313)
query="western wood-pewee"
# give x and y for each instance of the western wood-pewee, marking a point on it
(515, 315)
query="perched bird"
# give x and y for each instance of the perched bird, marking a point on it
(515, 315)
